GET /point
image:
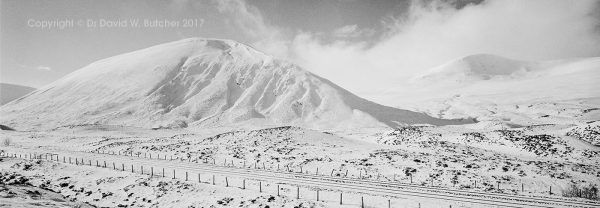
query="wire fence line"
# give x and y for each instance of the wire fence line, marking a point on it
(80, 161)
(301, 186)
(498, 186)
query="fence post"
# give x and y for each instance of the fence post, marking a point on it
(173, 173)
(260, 186)
(151, 171)
(226, 182)
(114, 167)
(362, 202)
(277, 189)
(142, 168)
(317, 195)
(317, 172)
(298, 192)
(122, 166)
(105, 164)
(244, 184)
(213, 181)
(498, 185)
(186, 175)
(132, 168)
(550, 190)
(199, 180)
(341, 197)
(163, 172)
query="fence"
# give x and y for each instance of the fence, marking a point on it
(150, 170)
(498, 186)
(80, 161)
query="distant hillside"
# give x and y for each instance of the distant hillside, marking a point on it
(490, 87)
(491, 75)
(10, 92)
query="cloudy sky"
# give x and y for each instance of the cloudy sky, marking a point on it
(364, 46)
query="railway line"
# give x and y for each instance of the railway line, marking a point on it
(323, 182)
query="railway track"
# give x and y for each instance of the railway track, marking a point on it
(355, 185)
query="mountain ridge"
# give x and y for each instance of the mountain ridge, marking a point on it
(10, 92)
(559, 90)
(201, 82)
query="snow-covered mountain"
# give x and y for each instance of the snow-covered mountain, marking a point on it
(10, 92)
(490, 87)
(478, 67)
(200, 82)
(485, 74)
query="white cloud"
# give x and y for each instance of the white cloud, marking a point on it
(43, 68)
(38, 68)
(249, 20)
(345, 31)
(436, 33)
(352, 31)
(429, 35)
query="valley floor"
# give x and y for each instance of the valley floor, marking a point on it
(525, 161)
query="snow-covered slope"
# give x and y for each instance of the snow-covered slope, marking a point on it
(200, 82)
(490, 87)
(485, 74)
(478, 67)
(10, 92)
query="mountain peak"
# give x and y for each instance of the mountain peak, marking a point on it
(477, 67)
(201, 82)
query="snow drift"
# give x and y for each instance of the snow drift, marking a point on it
(201, 82)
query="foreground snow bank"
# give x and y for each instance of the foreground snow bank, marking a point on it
(105, 188)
